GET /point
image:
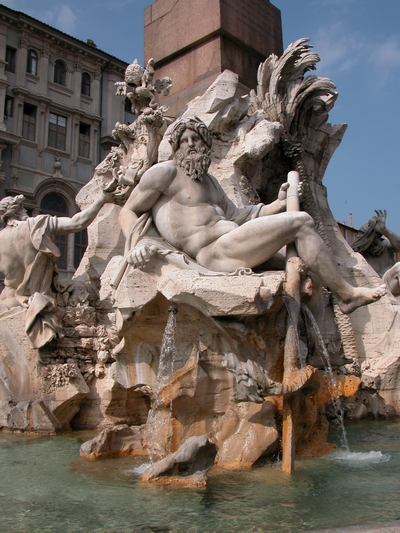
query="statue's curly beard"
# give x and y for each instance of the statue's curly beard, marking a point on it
(194, 161)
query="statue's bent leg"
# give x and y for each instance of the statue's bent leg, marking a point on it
(256, 241)
(252, 243)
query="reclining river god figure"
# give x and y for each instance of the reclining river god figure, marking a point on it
(191, 211)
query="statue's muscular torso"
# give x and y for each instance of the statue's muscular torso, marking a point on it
(188, 214)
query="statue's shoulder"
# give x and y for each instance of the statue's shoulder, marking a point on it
(159, 175)
(164, 166)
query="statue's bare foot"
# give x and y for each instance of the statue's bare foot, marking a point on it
(360, 296)
(297, 379)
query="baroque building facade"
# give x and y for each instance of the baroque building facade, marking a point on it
(57, 111)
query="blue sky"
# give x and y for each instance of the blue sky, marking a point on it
(358, 42)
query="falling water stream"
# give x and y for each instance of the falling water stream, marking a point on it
(166, 366)
(335, 401)
(168, 348)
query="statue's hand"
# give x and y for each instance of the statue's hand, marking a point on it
(380, 225)
(139, 256)
(282, 195)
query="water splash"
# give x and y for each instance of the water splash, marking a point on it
(337, 405)
(359, 459)
(138, 470)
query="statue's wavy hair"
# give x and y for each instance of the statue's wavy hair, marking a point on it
(195, 124)
(9, 206)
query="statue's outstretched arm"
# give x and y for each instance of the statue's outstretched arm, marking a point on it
(82, 219)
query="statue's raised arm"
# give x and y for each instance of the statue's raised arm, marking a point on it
(377, 244)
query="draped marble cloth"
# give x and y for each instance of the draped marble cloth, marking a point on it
(37, 291)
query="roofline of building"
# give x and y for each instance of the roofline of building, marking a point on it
(46, 27)
(346, 225)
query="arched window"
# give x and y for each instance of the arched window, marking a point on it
(31, 66)
(59, 72)
(85, 85)
(54, 204)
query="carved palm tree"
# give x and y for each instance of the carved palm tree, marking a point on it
(302, 104)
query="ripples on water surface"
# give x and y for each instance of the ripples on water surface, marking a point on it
(46, 488)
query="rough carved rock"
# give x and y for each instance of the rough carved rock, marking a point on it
(34, 396)
(245, 433)
(118, 440)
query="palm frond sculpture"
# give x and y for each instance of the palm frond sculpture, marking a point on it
(301, 104)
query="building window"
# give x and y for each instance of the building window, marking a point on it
(57, 131)
(54, 204)
(29, 122)
(59, 72)
(8, 106)
(85, 85)
(31, 66)
(10, 58)
(81, 241)
(84, 140)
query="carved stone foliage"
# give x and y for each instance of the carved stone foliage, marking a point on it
(301, 104)
(138, 142)
(140, 87)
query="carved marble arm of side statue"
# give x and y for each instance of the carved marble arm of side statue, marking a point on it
(84, 218)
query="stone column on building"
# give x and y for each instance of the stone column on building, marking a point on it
(43, 68)
(3, 79)
(95, 94)
(75, 122)
(70, 256)
(42, 124)
(77, 81)
(3, 87)
(21, 60)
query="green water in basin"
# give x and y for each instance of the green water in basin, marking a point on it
(45, 487)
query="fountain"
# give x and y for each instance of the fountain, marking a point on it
(170, 353)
